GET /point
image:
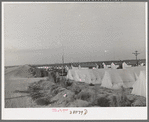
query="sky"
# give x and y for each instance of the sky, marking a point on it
(40, 33)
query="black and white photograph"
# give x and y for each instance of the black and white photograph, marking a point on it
(74, 59)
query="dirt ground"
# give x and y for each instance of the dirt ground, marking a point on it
(16, 94)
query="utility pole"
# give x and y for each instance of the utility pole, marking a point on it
(136, 54)
(63, 57)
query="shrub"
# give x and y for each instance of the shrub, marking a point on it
(69, 82)
(42, 101)
(91, 84)
(39, 89)
(43, 91)
(74, 87)
(113, 100)
(103, 102)
(120, 99)
(87, 95)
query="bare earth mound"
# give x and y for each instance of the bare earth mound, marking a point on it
(16, 84)
(20, 72)
(25, 71)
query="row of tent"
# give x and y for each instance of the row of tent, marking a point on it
(113, 79)
(95, 66)
(112, 66)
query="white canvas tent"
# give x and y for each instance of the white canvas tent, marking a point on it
(124, 65)
(79, 67)
(84, 75)
(72, 67)
(105, 66)
(69, 75)
(98, 74)
(67, 68)
(118, 77)
(112, 80)
(113, 66)
(97, 66)
(136, 77)
(84, 68)
(128, 77)
(81, 75)
(139, 87)
(106, 81)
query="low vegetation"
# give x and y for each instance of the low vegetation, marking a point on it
(61, 92)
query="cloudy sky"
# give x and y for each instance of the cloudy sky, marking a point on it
(37, 33)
